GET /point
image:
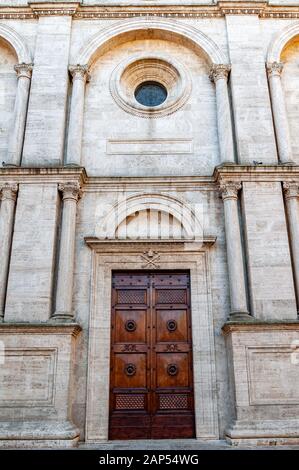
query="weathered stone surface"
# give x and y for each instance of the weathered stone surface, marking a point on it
(269, 263)
(31, 276)
(146, 169)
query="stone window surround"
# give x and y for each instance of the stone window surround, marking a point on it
(108, 256)
(130, 73)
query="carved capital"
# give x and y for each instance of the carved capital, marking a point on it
(24, 70)
(8, 191)
(79, 72)
(230, 190)
(219, 71)
(70, 191)
(274, 69)
(291, 190)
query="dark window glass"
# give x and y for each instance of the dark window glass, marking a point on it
(150, 94)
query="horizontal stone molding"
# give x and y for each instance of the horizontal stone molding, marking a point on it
(41, 328)
(258, 326)
(37, 430)
(222, 173)
(256, 173)
(54, 9)
(129, 245)
(149, 147)
(107, 12)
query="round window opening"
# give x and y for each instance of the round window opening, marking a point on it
(150, 94)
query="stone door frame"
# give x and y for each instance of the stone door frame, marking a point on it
(108, 256)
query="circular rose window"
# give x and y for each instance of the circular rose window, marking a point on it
(150, 87)
(150, 94)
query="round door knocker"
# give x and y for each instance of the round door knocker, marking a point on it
(172, 369)
(130, 325)
(130, 369)
(171, 325)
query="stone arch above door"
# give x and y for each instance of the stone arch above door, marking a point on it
(185, 220)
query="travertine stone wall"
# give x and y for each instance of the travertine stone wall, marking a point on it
(45, 129)
(116, 142)
(30, 283)
(250, 97)
(268, 254)
(265, 383)
(169, 156)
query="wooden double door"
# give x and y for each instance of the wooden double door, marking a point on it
(151, 379)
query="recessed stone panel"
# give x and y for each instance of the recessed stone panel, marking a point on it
(27, 377)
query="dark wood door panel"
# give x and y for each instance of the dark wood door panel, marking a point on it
(151, 383)
(172, 370)
(130, 370)
(172, 325)
(130, 326)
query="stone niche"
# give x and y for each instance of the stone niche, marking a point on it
(36, 364)
(264, 371)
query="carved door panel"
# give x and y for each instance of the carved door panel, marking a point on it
(151, 384)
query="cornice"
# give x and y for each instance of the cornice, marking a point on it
(256, 173)
(108, 12)
(131, 245)
(72, 329)
(256, 325)
(43, 175)
(223, 174)
(54, 9)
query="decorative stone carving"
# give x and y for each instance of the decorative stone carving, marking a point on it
(173, 11)
(230, 190)
(151, 257)
(8, 191)
(70, 191)
(291, 190)
(24, 70)
(274, 68)
(219, 71)
(56, 9)
(79, 72)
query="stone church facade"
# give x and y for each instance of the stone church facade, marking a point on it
(149, 221)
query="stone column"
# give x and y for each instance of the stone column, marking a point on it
(8, 196)
(16, 136)
(291, 191)
(219, 75)
(279, 113)
(64, 291)
(235, 262)
(74, 143)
